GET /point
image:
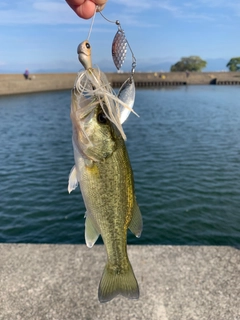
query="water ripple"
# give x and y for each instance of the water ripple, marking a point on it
(185, 154)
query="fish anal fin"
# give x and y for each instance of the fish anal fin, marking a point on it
(91, 233)
(72, 180)
(114, 283)
(136, 223)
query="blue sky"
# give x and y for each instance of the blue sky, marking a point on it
(44, 34)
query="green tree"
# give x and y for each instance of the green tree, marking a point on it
(192, 63)
(234, 64)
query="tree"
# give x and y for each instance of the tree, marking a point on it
(192, 63)
(234, 64)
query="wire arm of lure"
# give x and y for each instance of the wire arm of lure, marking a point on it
(134, 60)
(120, 30)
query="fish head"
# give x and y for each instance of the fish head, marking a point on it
(94, 135)
(84, 54)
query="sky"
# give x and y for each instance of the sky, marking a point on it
(43, 35)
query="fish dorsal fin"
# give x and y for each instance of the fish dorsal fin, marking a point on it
(136, 223)
(72, 180)
(91, 233)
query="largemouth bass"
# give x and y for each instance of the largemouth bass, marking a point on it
(103, 171)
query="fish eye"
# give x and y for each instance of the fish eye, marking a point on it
(88, 45)
(101, 118)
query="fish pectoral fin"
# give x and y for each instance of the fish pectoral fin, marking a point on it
(91, 233)
(72, 180)
(136, 223)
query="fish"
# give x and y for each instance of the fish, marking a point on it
(103, 171)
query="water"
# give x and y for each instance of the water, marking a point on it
(185, 154)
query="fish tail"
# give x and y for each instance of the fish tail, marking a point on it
(114, 283)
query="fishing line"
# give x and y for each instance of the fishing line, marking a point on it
(90, 30)
(106, 18)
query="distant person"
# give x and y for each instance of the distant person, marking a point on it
(86, 8)
(26, 75)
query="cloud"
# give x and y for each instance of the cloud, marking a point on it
(37, 12)
(214, 4)
(142, 5)
(42, 12)
(54, 12)
(181, 10)
(208, 10)
(49, 7)
(166, 5)
(139, 5)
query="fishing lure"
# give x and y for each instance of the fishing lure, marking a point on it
(93, 84)
(119, 51)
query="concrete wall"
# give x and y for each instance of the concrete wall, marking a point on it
(200, 78)
(16, 83)
(60, 282)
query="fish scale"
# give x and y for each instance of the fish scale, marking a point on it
(119, 49)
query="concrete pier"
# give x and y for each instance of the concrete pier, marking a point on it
(60, 282)
(16, 83)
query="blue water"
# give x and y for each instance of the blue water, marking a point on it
(185, 154)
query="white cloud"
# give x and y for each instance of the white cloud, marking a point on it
(221, 4)
(183, 10)
(37, 12)
(139, 5)
(43, 12)
(50, 6)
(208, 10)
(166, 5)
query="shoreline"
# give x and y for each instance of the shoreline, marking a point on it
(16, 83)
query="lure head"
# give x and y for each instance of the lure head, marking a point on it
(84, 54)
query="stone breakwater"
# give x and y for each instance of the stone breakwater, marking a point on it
(16, 83)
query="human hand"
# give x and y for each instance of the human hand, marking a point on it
(86, 8)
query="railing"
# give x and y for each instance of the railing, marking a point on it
(228, 83)
(144, 84)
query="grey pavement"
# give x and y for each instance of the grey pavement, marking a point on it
(176, 282)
